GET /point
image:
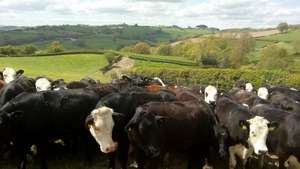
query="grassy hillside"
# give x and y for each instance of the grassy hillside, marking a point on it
(68, 67)
(96, 37)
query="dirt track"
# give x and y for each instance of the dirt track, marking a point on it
(120, 67)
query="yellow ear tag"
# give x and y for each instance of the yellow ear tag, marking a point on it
(271, 128)
(221, 93)
(161, 120)
(129, 129)
(89, 126)
(244, 127)
(201, 91)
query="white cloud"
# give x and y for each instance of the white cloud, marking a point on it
(214, 13)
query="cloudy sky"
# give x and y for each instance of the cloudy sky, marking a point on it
(221, 14)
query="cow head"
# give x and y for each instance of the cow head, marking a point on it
(8, 74)
(258, 128)
(100, 123)
(210, 95)
(7, 120)
(142, 130)
(263, 93)
(221, 137)
(43, 84)
(249, 87)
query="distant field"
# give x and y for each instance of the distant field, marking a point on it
(68, 67)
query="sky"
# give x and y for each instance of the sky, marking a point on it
(222, 14)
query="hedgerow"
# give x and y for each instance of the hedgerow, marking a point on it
(221, 78)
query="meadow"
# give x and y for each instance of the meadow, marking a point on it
(68, 67)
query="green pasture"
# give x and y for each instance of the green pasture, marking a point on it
(283, 37)
(68, 67)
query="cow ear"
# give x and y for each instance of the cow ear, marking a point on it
(126, 78)
(118, 116)
(244, 124)
(89, 121)
(160, 119)
(128, 127)
(16, 115)
(273, 125)
(20, 72)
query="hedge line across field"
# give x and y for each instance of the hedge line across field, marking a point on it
(221, 78)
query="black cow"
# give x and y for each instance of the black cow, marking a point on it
(286, 101)
(35, 118)
(108, 126)
(159, 127)
(17, 86)
(247, 131)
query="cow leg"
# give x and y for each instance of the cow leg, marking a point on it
(232, 159)
(261, 161)
(141, 158)
(23, 161)
(111, 159)
(123, 154)
(154, 162)
(42, 153)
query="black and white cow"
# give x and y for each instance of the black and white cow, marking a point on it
(284, 141)
(8, 74)
(107, 125)
(159, 127)
(244, 84)
(35, 118)
(248, 132)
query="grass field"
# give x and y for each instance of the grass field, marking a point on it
(67, 67)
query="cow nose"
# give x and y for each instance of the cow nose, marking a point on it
(262, 152)
(212, 102)
(110, 149)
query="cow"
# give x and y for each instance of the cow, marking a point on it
(211, 94)
(186, 94)
(89, 81)
(2, 83)
(249, 99)
(159, 127)
(42, 84)
(247, 132)
(8, 74)
(290, 92)
(284, 141)
(107, 125)
(12, 89)
(244, 84)
(35, 118)
(285, 101)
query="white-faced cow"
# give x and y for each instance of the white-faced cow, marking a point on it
(248, 132)
(8, 74)
(108, 120)
(244, 84)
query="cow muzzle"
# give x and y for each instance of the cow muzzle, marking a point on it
(112, 148)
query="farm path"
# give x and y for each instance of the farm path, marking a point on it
(124, 64)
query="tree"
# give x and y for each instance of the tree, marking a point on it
(296, 45)
(282, 27)
(141, 48)
(240, 50)
(110, 57)
(164, 49)
(9, 50)
(273, 57)
(55, 47)
(29, 49)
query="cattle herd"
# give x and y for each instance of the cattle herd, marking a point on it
(149, 120)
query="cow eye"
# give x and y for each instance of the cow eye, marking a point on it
(206, 94)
